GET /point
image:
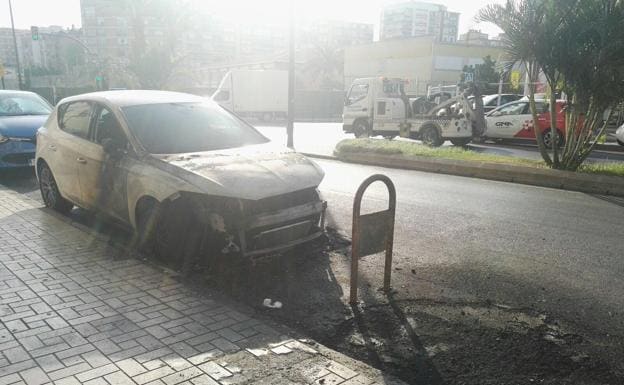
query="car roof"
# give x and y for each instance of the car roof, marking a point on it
(123, 98)
(13, 92)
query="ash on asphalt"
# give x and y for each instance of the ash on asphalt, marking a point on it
(419, 340)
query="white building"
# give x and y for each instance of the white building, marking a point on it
(476, 37)
(415, 18)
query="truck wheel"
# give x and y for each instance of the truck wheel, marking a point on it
(431, 137)
(361, 129)
(460, 142)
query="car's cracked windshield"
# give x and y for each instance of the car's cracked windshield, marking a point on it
(173, 128)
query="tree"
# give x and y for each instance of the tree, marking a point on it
(153, 69)
(326, 66)
(576, 45)
(485, 75)
(154, 63)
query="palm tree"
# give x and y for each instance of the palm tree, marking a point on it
(577, 45)
(521, 22)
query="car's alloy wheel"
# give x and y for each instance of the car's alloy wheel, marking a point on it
(548, 138)
(49, 191)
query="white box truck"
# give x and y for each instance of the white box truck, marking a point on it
(258, 94)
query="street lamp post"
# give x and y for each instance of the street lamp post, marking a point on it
(291, 78)
(17, 62)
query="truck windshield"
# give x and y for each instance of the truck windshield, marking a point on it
(357, 92)
(175, 128)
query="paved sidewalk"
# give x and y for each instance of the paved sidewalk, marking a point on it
(75, 310)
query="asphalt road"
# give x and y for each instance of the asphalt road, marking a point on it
(321, 138)
(523, 246)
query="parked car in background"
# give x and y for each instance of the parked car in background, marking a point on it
(21, 115)
(515, 121)
(190, 177)
(619, 135)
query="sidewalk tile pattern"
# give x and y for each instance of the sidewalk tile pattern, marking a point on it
(74, 310)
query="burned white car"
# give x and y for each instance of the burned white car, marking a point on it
(189, 177)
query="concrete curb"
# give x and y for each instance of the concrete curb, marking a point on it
(319, 156)
(566, 180)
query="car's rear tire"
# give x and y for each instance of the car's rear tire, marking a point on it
(430, 136)
(548, 140)
(49, 191)
(460, 142)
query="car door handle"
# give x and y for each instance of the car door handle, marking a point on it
(81, 160)
(52, 147)
(364, 109)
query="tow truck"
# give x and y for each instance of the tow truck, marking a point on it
(388, 107)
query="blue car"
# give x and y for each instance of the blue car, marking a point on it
(21, 115)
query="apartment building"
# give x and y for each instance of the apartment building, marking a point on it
(415, 18)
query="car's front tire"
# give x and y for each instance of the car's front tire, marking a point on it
(49, 191)
(172, 239)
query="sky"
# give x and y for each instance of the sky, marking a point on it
(67, 12)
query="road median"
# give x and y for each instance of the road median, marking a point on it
(529, 172)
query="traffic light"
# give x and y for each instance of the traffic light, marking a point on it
(34, 32)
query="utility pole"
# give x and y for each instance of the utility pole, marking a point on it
(19, 71)
(291, 78)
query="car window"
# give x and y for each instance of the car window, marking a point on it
(75, 119)
(508, 99)
(23, 104)
(513, 109)
(174, 128)
(107, 127)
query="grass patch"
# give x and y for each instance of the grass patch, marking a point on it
(408, 149)
(398, 147)
(604, 168)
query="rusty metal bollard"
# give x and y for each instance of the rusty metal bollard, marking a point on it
(372, 233)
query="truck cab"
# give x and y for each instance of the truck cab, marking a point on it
(358, 107)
